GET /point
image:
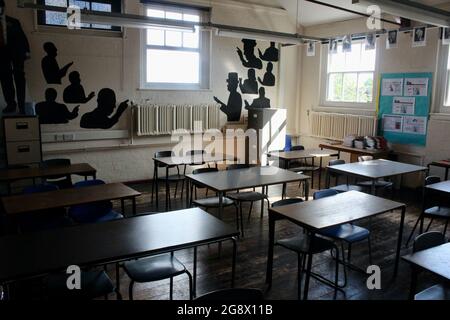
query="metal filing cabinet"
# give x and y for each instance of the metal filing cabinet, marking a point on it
(22, 140)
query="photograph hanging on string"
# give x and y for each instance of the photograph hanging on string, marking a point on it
(392, 39)
(445, 36)
(311, 49)
(419, 37)
(370, 41)
(347, 43)
(333, 46)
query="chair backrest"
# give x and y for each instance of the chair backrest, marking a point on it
(364, 158)
(324, 193)
(55, 163)
(46, 187)
(240, 166)
(288, 143)
(195, 152)
(204, 170)
(286, 202)
(62, 181)
(431, 180)
(298, 148)
(88, 183)
(428, 240)
(336, 162)
(234, 294)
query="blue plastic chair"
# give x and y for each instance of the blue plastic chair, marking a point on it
(93, 212)
(288, 143)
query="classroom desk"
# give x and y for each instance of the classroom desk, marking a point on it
(232, 180)
(62, 198)
(441, 164)
(375, 169)
(435, 260)
(354, 152)
(194, 160)
(37, 254)
(328, 212)
(312, 154)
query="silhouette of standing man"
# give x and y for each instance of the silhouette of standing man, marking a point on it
(271, 53)
(250, 60)
(52, 112)
(269, 77)
(250, 85)
(100, 118)
(74, 93)
(52, 73)
(261, 102)
(14, 50)
(234, 106)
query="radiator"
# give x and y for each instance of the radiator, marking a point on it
(155, 119)
(337, 125)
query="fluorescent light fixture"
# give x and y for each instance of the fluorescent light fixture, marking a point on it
(410, 10)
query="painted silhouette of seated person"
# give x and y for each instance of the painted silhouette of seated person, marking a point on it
(74, 93)
(52, 112)
(248, 58)
(269, 77)
(100, 117)
(259, 103)
(250, 85)
(271, 53)
(52, 73)
(234, 106)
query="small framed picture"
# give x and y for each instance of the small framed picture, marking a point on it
(420, 37)
(446, 36)
(370, 41)
(392, 39)
(311, 49)
(347, 43)
(333, 46)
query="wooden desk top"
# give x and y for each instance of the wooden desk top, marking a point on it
(66, 197)
(302, 154)
(435, 260)
(376, 169)
(336, 210)
(29, 173)
(195, 159)
(340, 147)
(229, 180)
(443, 186)
(39, 253)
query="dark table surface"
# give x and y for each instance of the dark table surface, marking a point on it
(435, 260)
(195, 159)
(302, 154)
(29, 173)
(441, 186)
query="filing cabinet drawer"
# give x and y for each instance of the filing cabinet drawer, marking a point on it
(23, 152)
(21, 129)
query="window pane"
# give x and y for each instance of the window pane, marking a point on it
(174, 15)
(447, 100)
(155, 37)
(365, 87)
(155, 13)
(81, 4)
(166, 66)
(335, 87)
(349, 87)
(358, 59)
(56, 18)
(190, 39)
(173, 38)
(104, 7)
(191, 17)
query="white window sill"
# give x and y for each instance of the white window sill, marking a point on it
(347, 110)
(175, 89)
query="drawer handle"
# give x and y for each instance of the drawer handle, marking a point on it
(21, 125)
(23, 149)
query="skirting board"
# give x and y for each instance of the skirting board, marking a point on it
(49, 137)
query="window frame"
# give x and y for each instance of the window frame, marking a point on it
(203, 50)
(323, 87)
(116, 7)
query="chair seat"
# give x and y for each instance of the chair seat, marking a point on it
(345, 188)
(301, 244)
(303, 168)
(154, 268)
(94, 284)
(437, 292)
(378, 184)
(112, 215)
(247, 196)
(212, 202)
(346, 232)
(443, 212)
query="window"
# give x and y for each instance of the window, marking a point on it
(53, 18)
(447, 91)
(350, 76)
(175, 59)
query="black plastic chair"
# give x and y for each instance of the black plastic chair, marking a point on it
(300, 245)
(343, 187)
(379, 184)
(247, 196)
(302, 166)
(62, 181)
(432, 208)
(234, 294)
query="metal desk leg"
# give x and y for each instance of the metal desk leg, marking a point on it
(156, 185)
(320, 172)
(399, 241)
(167, 189)
(270, 253)
(194, 275)
(309, 266)
(133, 203)
(412, 289)
(233, 267)
(373, 190)
(118, 281)
(306, 190)
(188, 195)
(446, 174)
(312, 173)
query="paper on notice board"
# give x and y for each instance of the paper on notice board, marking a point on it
(416, 87)
(415, 125)
(404, 105)
(392, 123)
(392, 87)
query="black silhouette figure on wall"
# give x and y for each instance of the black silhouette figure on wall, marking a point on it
(74, 93)
(260, 102)
(52, 112)
(250, 85)
(14, 50)
(271, 53)
(52, 73)
(269, 78)
(250, 60)
(234, 106)
(100, 118)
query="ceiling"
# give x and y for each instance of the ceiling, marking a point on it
(314, 14)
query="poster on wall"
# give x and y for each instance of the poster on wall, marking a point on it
(404, 105)
(415, 125)
(392, 87)
(416, 87)
(392, 123)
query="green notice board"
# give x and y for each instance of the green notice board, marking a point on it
(404, 107)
